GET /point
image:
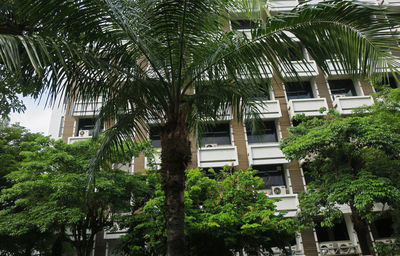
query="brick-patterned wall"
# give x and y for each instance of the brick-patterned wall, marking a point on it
(294, 170)
(240, 143)
(309, 245)
(322, 87)
(138, 164)
(69, 122)
(366, 87)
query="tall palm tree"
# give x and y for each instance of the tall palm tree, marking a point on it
(172, 61)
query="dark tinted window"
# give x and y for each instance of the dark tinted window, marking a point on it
(242, 24)
(382, 228)
(154, 136)
(295, 53)
(86, 124)
(264, 93)
(391, 81)
(265, 133)
(217, 134)
(343, 87)
(298, 90)
(335, 233)
(271, 174)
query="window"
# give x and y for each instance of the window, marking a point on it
(298, 90)
(218, 134)
(391, 81)
(265, 133)
(61, 129)
(344, 87)
(86, 124)
(154, 136)
(264, 89)
(271, 174)
(295, 52)
(382, 228)
(242, 24)
(336, 233)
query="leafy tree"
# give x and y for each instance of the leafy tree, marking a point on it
(50, 194)
(223, 216)
(351, 160)
(147, 57)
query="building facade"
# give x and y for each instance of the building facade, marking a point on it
(234, 143)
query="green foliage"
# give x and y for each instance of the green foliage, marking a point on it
(351, 160)
(50, 193)
(223, 215)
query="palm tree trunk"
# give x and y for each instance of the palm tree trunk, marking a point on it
(175, 156)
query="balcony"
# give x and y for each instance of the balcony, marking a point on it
(76, 139)
(347, 105)
(266, 153)
(269, 109)
(281, 5)
(309, 107)
(302, 69)
(217, 156)
(86, 109)
(288, 202)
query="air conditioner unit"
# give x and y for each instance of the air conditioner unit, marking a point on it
(278, 190)
(84, 133)
(346, 248)
(211, 145)
(327, 249)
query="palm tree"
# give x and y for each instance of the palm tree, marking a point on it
(172, 61)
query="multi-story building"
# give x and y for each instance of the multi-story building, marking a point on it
(232, 143)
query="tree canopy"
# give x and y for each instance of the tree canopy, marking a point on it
(48, 194)
(351, 161)
(223, 215)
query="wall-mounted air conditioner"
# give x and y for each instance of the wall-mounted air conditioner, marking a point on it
(83, 133)
(278, 190)
(210, 145)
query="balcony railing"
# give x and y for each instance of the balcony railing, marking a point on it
(75, 139)
(266, 153)
(309, 107)
(288, 202)
(302, 69)
(269, 109)
(281, 5)
(347, 105)
(86, 109)
(217, 156)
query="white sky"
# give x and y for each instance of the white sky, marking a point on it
(36, 118)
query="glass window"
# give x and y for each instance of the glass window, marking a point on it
(218, 134)
(264, 91)
(271, 174)
(295, 53)
(265, 133)
(343, 87)
(61, 129)
(86, 124)
(242, 24)
(391, 81)
(298, 90)
(336, 233)
(382, 228)
(154, 136)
